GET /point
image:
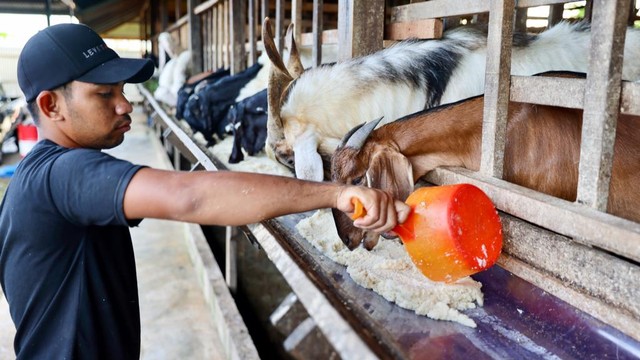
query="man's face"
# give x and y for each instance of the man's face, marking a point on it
(97, 115)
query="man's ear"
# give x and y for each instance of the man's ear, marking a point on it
(49, 104)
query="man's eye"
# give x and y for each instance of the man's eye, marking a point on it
(357, 181)
(105, 94)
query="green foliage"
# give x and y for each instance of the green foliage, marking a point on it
(151, 84)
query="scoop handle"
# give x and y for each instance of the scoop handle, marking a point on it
(359, 210)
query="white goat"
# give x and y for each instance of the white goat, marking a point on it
(172, 77)
(310, 111)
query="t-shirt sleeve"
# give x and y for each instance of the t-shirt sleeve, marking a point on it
(88, 187)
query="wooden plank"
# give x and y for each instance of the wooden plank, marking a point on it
(328, 37)
(582, 223)
(207, 5)
(421, 29)
(497, 78)
(602, 101)
(447, 8)
(436, 8)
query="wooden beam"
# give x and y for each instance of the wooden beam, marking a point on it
(421, 29)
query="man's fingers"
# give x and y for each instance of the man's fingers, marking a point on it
(403, 210)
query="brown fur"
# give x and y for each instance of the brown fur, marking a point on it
(542, 153)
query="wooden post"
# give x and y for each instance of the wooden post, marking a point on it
(360, 27)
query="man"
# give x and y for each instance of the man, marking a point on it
(66, 260)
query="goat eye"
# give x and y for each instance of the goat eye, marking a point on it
(357, 181)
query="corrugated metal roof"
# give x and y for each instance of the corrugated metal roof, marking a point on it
(110, 18)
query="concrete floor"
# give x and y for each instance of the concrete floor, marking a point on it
(176, 319)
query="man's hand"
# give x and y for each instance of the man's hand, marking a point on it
(382, 212)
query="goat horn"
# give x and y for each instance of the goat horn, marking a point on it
(294, 64)
(279, 78)
(271, 49)
(358, 138)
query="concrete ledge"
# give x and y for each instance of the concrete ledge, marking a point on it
(233, 333)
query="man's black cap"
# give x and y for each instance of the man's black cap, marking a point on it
(66, 52)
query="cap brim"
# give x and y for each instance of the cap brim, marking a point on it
(120, 70)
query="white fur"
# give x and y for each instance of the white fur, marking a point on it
(261, 81)
(557, 49)
(173, 76)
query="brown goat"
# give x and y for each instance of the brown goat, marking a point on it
(542, 153)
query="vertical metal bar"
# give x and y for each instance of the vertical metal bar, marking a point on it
(217, 37)
(497, 79)
(251, 16)
(317, 29)
(227, 35)
(231, 273)
(280, 25)
(296, 17)
(205, 40)
(556, 13)
(195, 37)
(520, 21)
(236, 27)
(632, 12)
(264, 8)
(47, 11)
(360, 27)
(164, 16)
(601, 101)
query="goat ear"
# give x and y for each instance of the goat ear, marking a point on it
(294, 64)
(391, 171)
(307, 160)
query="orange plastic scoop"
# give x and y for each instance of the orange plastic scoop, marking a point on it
(452, 231)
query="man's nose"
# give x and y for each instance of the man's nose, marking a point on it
(123, 106)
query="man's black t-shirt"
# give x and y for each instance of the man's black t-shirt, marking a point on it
(66, 260)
